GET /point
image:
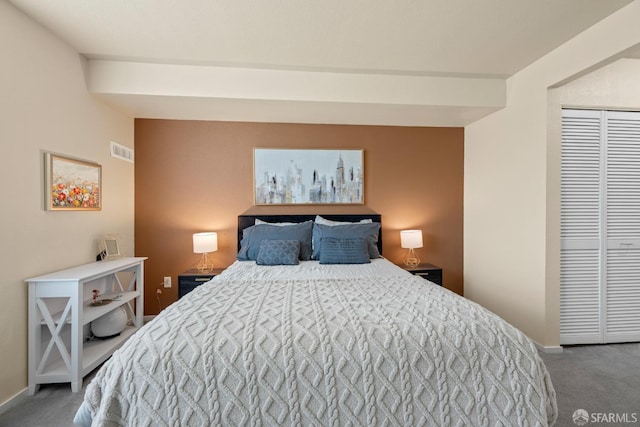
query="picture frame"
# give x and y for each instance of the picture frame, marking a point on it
(111, 248)
(284, 176)
(72, 184)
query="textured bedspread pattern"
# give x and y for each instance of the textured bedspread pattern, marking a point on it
(357, 351)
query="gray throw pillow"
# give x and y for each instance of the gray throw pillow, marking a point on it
(252, 236)
(344, 251)
(350, 231)
(278, 252)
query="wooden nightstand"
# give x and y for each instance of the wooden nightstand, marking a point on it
(191, 279)
(427, 271)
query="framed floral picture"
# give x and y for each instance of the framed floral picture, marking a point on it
(72, 184)
(308, 176)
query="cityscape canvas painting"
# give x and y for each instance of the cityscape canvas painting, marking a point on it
(308, 176)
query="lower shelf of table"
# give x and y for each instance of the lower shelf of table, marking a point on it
(93, 354)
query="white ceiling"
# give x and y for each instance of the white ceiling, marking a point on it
(403, 43)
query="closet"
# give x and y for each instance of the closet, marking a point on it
(600, 227)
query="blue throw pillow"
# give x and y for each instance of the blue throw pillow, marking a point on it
(252, 236)
(348, 231)
(278, 252)
(344, 251)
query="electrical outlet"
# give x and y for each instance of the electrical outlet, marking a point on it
(167, 281)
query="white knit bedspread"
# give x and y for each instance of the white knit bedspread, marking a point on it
(378, 350)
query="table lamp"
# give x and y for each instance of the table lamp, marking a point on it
(204, 243)
(411, 239)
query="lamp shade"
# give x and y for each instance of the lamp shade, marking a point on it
(411, 239)
(205, 242)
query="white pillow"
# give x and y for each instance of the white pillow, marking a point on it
(259, 221)
(324, 221)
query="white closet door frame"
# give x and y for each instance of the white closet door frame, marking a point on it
(581, 298)
(622, 227)
(610, 311)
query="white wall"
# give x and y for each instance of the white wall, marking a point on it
(614, 86)
(510, 194)
(45, 106)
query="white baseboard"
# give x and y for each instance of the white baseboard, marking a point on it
(549, 349)
(148, 318)
(13, 401)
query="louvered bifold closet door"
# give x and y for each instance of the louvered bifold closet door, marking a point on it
(580, 273)
(622, 266)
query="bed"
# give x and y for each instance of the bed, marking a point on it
(321, 343)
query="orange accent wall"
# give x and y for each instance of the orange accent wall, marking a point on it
(193, 176)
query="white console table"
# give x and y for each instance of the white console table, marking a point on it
(60, 312)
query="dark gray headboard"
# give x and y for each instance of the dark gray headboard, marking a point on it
(245, 221)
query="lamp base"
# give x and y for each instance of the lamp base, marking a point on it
(411, 260)
(205, 265)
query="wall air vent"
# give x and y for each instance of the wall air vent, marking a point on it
(121, 152)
